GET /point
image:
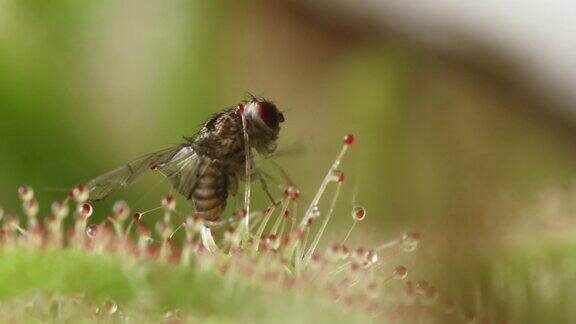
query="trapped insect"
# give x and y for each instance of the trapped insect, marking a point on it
(206, 168)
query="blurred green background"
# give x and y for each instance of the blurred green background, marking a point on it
(446, 145)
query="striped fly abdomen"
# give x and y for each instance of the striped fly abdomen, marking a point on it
(210, 192)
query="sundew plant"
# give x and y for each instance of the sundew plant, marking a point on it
(266, 264)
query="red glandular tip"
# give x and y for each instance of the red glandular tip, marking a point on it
(316, 257)
(31, 207)
(154, 167)
(345, 251)
(243, 213)
(415, 236)
(80, 194)
(143, 229)
(292, 193)
(137, 217)
(299, 233)
(338, 252)
(273, 241)
(26, 193)
(372, 286)
(410, 241)
(400, 273)
(337, 176)
(360, 252)
(169, 203)
(163, 228)
(431, 293)
(121, 210)
(422, 286)
(349, 139)
(359, 213)
(231, 235)
(60, 209)
(371, 257)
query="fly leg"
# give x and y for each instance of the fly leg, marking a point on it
(264, 185)
(233, 190)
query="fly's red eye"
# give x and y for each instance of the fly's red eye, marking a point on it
(270, 114)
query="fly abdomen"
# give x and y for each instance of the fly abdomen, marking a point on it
(210, 193)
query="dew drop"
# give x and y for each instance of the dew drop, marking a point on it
(422, 286)
(31, 207)
(121, 210)
(169, 203)
(143, 230)
(338, 252)
(194, 223)
(13, 221)
(80, 194)
(60, 209)
(410, 241)
(471, 317)
(409, 292)
(400, 273)
(373, 286)
(333, 252)
(358, 213)
(91, 230)
(360, 254)
(85, 210)
(309, 222)
(110, 307)
(173, 317)
(316, 258)
(25, 193)
(292, 192)
(344, 252)
(371, 258)
(315, 213)
(163, 228)
(354, 266)
(431, 294)
(243, 213)
(273, 241)
(267, 211)
(449, 307)
(232, 236)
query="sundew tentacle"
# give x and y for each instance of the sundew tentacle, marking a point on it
(273, 253)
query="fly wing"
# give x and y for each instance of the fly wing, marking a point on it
(184, 169)
(125, 175)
